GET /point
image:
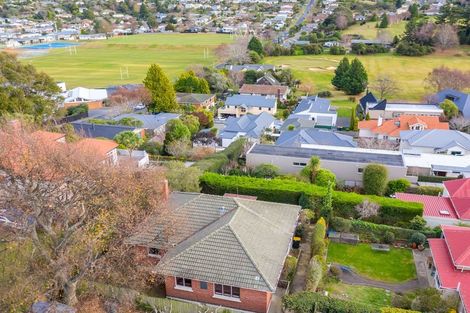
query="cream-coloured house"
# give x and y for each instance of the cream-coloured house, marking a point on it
(239, 105)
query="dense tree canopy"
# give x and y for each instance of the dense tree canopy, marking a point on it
(189, 82)
(24, 90)
(256, 46)
(163, 94)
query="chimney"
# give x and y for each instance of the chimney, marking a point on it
(279, 93)
(166, 190)
(379, 121)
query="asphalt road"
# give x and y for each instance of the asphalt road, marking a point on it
(304, 15)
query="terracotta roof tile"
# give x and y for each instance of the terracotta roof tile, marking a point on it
(433, 206)
(404, 122)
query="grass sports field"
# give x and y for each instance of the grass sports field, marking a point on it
(369, 31)
(99, 63)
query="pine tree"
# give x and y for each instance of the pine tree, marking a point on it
(356, 79)
(163, 94)
(383, 21)
(367, 116)
(398, 3)
(144, 11)
(256, 46)
(340, 74)
(353, 120)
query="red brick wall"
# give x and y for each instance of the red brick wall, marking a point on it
(250, 300)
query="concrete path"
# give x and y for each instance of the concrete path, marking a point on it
(421, 261)
(300, 278)
(348, 276)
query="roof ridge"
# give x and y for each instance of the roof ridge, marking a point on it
(463, 256)
(266, 281)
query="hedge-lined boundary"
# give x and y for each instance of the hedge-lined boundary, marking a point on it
(434, 179)
(392, 211)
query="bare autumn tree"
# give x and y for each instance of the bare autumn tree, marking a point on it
(373, 143)
(446, 37)
(367, 209)
(126, 99)
(72, 213)
(385, 86)
(460, 123)
(341, 22)
(443, 77)
(234, 53)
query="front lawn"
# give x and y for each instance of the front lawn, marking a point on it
(362, 294)
(394, 266)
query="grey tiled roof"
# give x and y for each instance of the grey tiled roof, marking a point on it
(96, 130)
(243, 245)
(314, 104)
(192, 98)
(251, 101)
(439, 139)
(462, 100)
(150, 121)
(296, 138)
(251, 125)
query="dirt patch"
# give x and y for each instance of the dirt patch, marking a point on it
(321, 69)
(331, 68)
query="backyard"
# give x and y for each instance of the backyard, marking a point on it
(362, 294)
(377, 265)
(99, 63)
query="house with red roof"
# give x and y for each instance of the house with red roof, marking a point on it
(450, 208)
(451, 263)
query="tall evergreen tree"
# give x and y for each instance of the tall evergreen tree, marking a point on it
(398, 3)
(356, 79)
(327, 204)
(341, 73)
(163, 94)
(353, 121)
(144, 11)
(189, 82)
(383, 21)
(256, 46)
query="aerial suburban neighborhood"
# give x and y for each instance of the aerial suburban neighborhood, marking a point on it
(244, 156)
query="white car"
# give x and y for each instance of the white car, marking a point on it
(139, 107)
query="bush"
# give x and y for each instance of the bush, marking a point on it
(78, 109)
(396, 310)
(425, 190)
(306, 302)
(337, 50)
(413, 49)
(215, 162)
(362, 49)
(318, 238)
(397, 185)
(417, 223)
(392, 211)
(324, 177)
(266, 171)
(325, 94)
(433, 179)
(290, 267)
(315, 273)
(389, 237)
(375, 179)
(341, 224)
(418, 238)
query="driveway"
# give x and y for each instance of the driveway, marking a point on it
(300, 278)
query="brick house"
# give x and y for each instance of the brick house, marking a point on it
(227, 251)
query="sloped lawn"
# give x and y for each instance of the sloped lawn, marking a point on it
(362, 294)
(395, 266)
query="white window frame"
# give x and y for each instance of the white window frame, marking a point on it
(183, 287)
(154, 255)
(224, 296)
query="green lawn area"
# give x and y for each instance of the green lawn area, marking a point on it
(362, 294)
(369, 31)
(394, 266)
(97, 64)
(316, 71)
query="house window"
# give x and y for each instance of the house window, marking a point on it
(183, 282)
(243, 110)
(153, 252)
(260, 108)
(360, 170)
(203, 284)
(269, 109)
(227, 291)
(456, 153)
(299, 164)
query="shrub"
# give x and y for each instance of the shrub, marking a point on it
(299, 230)
(290, 267)
(389, 237)
(397, 185)
(433, 179)
(315, 273)
(426, 190)
(215, 162)
(266, 171)
(325, 94)
(324, 177)
(413, 49)
(417, 223)
(362, 49)
(375, 179)
(396, 310)
(78, 109)
(318, 238)
(340, 224)
(337, 50)
(418, 238)
(306, 302)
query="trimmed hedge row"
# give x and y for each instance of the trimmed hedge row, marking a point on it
(434, 179)
(367, 230)
(215, 162)
(392, 211)
(307, 302)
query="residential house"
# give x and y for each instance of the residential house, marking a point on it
(270, 91)
(227, 252)
(316, 109)
(246, 67)
(86, 129)
(93, 97)
(431, 164)
(390, 129)
(154, 124)
(450, 208)
(462, 100)
(138, 158)
(267, 79)
(296, 123)
(48, 136)
(451, 263)
(440, 141)
(206, 101)
(250, 126)
(313, 136)
(346, 163)
(238, 105)
(375, 108)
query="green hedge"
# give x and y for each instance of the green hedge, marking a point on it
(307, 302)
(392, 211)
(216, 161)
(425, 190)
(434, 179)
(369, 231)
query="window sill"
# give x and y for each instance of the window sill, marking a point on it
(184, 288)
(226, 298)
(154, 256)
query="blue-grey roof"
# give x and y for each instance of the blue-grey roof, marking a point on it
(462, 100)
(151, 121)
(251, 101)
(298, 123)
(296, 138)
(333, 154)
(94, 130)
(246, 67)
(252, 125)
(314, 104)
(368, 98)
(439, 139)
